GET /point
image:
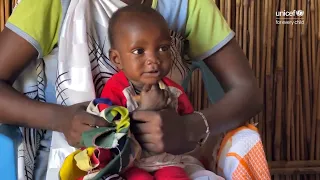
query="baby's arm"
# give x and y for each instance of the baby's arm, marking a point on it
(153, 98)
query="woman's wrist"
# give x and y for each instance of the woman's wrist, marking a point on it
(196, 128)
(58, 117)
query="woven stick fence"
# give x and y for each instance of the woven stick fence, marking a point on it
(286, 61)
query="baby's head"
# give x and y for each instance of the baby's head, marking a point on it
(140, 44)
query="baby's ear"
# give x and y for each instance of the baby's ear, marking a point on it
(114, 57)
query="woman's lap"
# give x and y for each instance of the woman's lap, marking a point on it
(12, 133)
(43, 157)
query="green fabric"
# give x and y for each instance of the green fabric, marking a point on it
(121, 160)
(114, 138)
(39, 20)
(212, 85)
(107, 137)
(123, 123)
(206, 28)
(102, 137)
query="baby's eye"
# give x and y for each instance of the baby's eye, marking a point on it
(164, 48)
(138, 51)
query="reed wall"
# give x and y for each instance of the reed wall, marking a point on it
(285, 60)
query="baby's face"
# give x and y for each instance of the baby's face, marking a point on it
(144, 50)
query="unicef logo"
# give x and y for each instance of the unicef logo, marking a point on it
(285, 13)
(299, 12)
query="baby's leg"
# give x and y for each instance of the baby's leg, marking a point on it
(171, 173)
(137, 173)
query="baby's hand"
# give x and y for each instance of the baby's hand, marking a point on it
(153, 98)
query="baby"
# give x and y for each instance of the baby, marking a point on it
(140, 49)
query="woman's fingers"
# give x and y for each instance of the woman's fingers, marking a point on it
(150, 143)
(145, 138)
(92, 120)
(143, 116)
(141, 128)
(151, 147)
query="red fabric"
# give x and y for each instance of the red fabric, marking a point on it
(171, 173)
(114, 87)
(102, 157)
(166, 173)
(113, 90)
(137, 174)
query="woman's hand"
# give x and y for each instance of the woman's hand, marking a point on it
(79, 121)
(167, 131)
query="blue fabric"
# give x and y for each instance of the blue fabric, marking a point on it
(175, 12)
(10, 138)
(212, 85)
(42, 159)
(102, 101)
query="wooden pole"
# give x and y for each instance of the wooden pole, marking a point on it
(2, 14)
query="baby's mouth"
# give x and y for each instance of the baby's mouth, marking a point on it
(153, 73)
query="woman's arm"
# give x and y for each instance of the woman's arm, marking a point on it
(16, 109)
(167, 131)
(242, 100)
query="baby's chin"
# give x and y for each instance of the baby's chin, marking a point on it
(151, 81)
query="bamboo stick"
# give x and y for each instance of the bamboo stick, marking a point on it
(317, 145)
(318, 90)
(309, 51)
(7, 9)
(298, 88)
(229, 10)
(245, 26)
(263, 71)
(286, 119)
(269, 82)
(279, 84)
(290, 87)
(2, 15)
(313, 40)
(257, 69)
(258, 42)
(251, 33)
(301, 112)
(297, 98)
(238, 3)
(241, 24)
(302, 125)
(315, 85)
(306, 89)
(222, 7)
